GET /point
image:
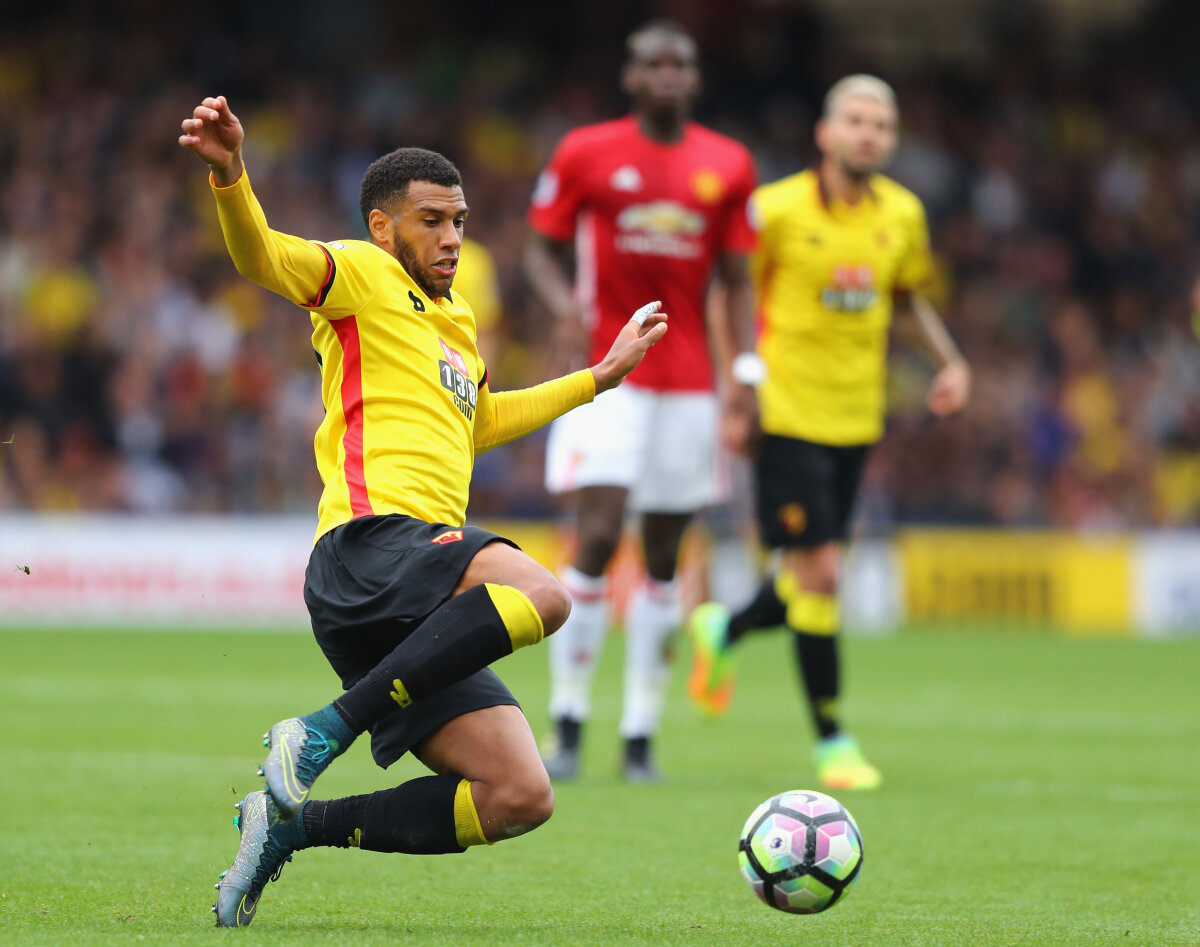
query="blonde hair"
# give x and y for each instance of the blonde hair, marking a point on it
(860, 84)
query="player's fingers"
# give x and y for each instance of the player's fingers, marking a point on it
(655, 333)
(652, 320)
(646, 312)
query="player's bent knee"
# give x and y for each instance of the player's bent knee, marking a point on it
(552, 601)
(523, 805)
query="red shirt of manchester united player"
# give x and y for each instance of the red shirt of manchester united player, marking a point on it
(648, 220)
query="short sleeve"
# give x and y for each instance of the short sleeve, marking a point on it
(916, 269)
(761, 220)
(739, 234)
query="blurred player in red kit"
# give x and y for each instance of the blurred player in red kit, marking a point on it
(649, 200)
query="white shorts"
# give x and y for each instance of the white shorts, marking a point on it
(661, 446)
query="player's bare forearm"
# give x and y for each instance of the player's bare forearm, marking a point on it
(932, 332)
(951, 386)
(643, 330)
(730, 316)
(548, 270)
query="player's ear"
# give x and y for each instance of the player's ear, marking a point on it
(819, 133)
(628, 86)
(379, 223)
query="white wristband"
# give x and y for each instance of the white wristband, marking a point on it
(748, 369)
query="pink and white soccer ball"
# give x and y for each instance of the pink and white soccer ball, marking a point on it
(801, 851)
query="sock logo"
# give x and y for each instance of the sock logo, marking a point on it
(450, 536)
(400, 694)
(355, 840)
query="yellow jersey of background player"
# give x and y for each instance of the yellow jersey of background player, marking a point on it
(825, 274)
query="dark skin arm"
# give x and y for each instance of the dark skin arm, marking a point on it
(731, 328)
(549, 269)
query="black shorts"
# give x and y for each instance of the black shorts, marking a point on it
(369, 583)
(805, 492)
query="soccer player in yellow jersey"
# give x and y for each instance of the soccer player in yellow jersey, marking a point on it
(841, 249)
(409, 605)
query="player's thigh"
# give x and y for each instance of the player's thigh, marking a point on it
(683, 469)
(851, 463)
(494, 745)
(796, 496)
(598, 444)
(501, 564)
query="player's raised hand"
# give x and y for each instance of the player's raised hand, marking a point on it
(215, 135)
(950, 389)
(646, 327)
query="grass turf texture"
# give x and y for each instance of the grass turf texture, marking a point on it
(1037, 791)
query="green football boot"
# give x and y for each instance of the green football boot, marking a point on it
(710, 684)
(841, 764)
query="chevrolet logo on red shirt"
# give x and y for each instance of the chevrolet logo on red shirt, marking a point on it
(450, 536)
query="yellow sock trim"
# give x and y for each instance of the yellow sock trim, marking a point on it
(521, 619)
(400, 693)
(812, 613)
(467, 829)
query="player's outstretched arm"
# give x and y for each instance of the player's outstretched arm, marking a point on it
(290, 266)
(506, 415)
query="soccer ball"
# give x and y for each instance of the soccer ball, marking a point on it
(800, 851)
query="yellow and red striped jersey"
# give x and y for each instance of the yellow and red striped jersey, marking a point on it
(404, 389)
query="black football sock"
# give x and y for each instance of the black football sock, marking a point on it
(817, 660)
(765, 611)
(569, 732)
(417, 817)
(461, 637)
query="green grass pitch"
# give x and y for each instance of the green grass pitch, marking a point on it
(1037, 791)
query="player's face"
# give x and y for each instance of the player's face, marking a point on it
(427, 231)
(663, 77)
(860, 134)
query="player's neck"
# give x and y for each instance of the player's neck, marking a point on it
(664, 129)
(838, 185)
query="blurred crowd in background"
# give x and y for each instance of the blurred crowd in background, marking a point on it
(139, 372)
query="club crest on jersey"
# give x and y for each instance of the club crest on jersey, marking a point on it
(707, 185)
(453, 356)
(453, 374)
(450, 536)
(626, 178)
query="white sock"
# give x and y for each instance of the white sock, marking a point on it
(651, 621)
(575, 647)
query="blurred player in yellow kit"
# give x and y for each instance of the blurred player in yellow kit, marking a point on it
(841, 249)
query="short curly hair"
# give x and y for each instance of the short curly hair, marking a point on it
(388, 177)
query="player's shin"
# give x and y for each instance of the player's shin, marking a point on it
(574, 650)
(430, 815)
(813, 616)
(765, 610)
(464, 635)
(651, 621)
